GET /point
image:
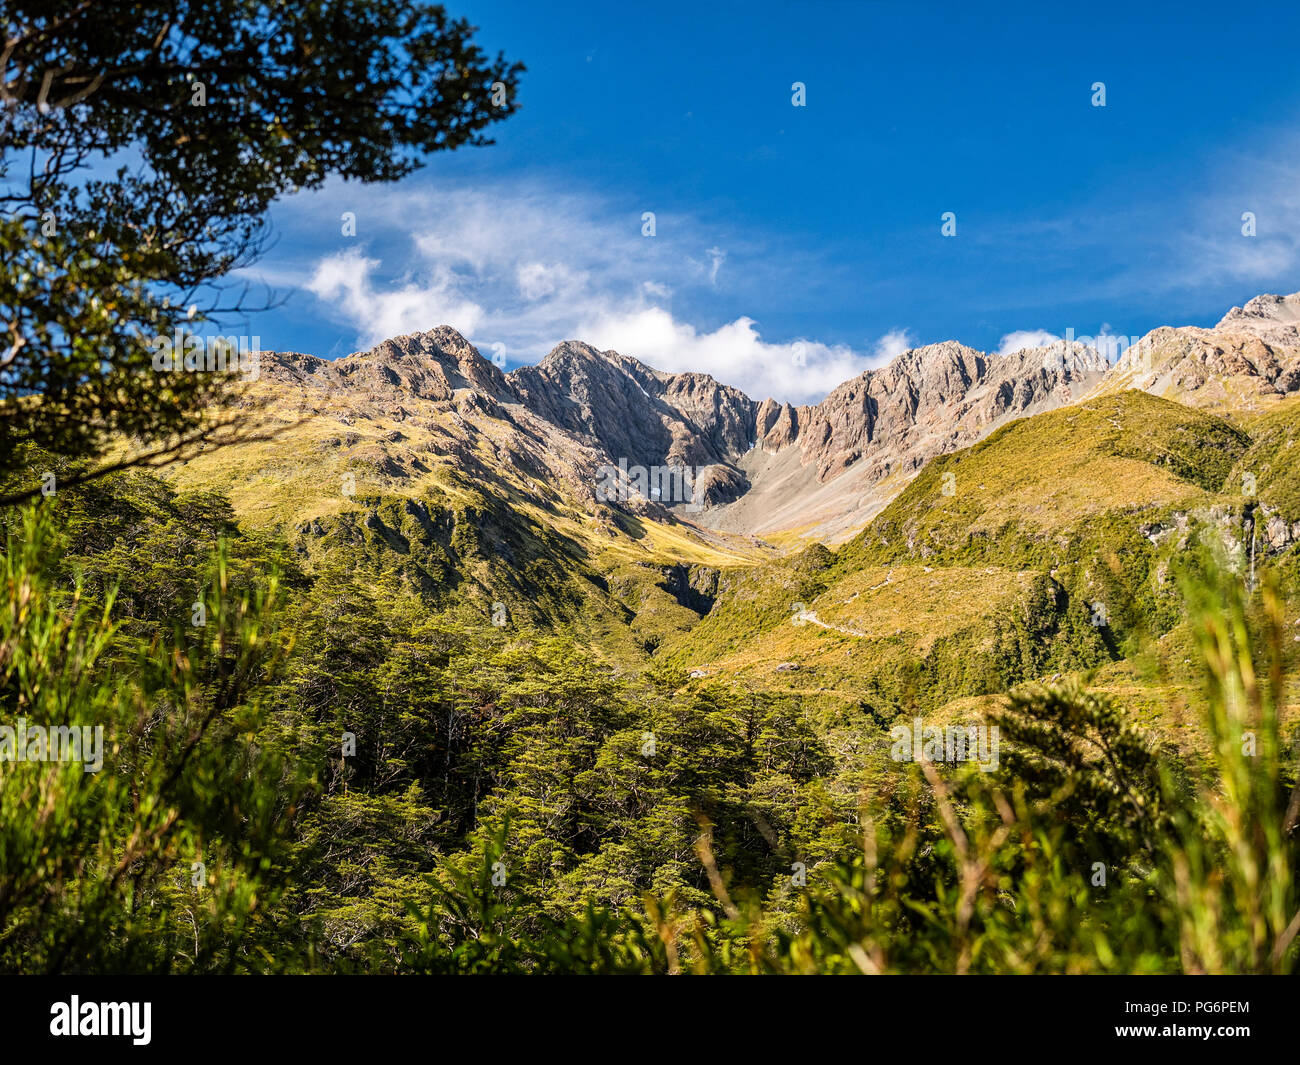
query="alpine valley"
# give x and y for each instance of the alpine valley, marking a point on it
(445, 703)
(931, 533)
(393, 662)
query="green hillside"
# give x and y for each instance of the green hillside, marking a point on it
(1053, 547)
(645, 730)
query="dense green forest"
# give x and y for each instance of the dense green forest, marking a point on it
(308, 769)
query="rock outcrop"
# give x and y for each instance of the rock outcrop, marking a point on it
(620, 405)
(1251, 356)
(927, 401)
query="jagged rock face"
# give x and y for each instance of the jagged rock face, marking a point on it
(724, 415)
(630, 411)
(1251, 356)
(1274, 319)
(760, 465)
(432, 365)
(719, 485)
(886, 422)
(1208, 367)
(927, 401)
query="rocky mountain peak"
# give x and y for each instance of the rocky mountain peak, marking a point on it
(575, 353)
(1251, 356)
(623, 407)
(1272, 318)
(431, 365)
(1060, 354)
(944, 353)
(923, 401)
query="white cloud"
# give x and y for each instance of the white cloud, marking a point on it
(526, 267)
(891, 345)
(539, 280)
(716, 258)
(344, 281)
(800, 371)
(1020, 339)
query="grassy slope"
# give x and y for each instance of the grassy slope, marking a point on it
(1047, 474)
(982, 571)
(950, 590)
(1273, 458)
(439, 507)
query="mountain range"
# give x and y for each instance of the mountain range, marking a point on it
(932, 532)
(770, 473)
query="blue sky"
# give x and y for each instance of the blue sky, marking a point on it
(796, 246)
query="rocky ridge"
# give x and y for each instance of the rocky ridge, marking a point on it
(763, 467)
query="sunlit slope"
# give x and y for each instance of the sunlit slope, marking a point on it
(1052, 547)
(1038, 477)
(464, 504)
(322, 453)
(1270, 467)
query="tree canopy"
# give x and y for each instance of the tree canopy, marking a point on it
(141, 146)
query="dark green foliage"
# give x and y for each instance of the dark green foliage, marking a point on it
(1079, 751)
(170, 855)
(1195, 447)
(372, 787)
(758, 599)
(1047, 632)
